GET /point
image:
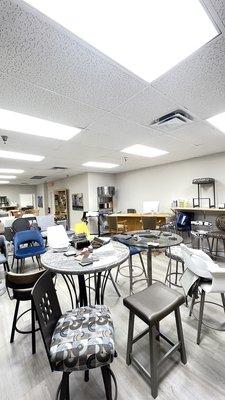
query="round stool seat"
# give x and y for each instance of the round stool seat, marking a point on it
(174, 253)
(216, 235)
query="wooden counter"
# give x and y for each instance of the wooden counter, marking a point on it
(202, 210)
(134, 221)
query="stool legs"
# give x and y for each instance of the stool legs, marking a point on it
(130, 337)
(14, 321)
(153, 361)
(202, 302)
(106, 375)
(180, 336)
(64, 390)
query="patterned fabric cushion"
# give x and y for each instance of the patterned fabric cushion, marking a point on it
(217, 235)
(83, 339)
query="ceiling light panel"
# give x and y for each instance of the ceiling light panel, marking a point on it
(218, 121)
(95, 164)
(146, 37)
(144, 151)
(17, 122)
(4, 182)
(11, 171)
(20, 156)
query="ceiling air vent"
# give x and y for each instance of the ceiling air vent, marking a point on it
(173, 120)
(38, 177)
(55, 168)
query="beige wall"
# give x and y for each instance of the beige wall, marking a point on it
(13, 191)
(170, 182)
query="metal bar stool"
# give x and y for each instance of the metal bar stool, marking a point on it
(152, 305)
(174, 253)
(131, 266)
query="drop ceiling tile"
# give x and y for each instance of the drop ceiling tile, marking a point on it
(20, 96)
(219, 6)
(197, 134)
(198, 83)
(37, 50)
(146, 106)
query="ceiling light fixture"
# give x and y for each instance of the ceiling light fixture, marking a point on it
(20, 156)
(7, 177)
(146, 40)
(11, 171)
(218, 121)
(144, 151)
(17, 122)
(96, 164)
(4, 182)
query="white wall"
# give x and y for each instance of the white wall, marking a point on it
(42, 190)
(169, 182)
(13, 191)
(95, 180)
(75, 184)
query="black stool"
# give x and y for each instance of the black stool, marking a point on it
(151, 305)
(174, 253)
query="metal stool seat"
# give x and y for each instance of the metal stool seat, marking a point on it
(152, 305)
(174, 253)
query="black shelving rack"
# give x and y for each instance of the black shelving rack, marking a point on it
(204, 181)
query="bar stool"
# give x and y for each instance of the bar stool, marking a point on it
(200, 231)
(217, 235)
(133, 251)
(174, 253)
(152, 305)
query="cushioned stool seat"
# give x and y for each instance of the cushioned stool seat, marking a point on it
(216, 235)
(154, 303)
(151, 305)
(83, 339)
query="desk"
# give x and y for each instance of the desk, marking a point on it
(134, 222)
(110, 256)
(163, 241)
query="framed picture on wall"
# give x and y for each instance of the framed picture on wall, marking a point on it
(77, 201)
(40, 201)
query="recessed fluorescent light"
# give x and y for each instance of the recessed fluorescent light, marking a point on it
(150, 36)
(13, 121)
(20, 156)
(95, 164)
(3, 182)
(218, 121)
(11, 171)
(144, 151)
(7, 177)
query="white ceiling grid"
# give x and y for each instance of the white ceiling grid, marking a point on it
(50, 73)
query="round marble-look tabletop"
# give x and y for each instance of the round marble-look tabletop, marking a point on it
(110, 255)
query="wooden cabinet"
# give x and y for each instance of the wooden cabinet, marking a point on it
(61, 198)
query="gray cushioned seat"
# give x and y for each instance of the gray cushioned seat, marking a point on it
(154, 303)
(83, 339)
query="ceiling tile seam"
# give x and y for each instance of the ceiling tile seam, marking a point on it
(3, 74)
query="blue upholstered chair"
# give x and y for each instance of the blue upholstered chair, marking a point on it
(35, 245)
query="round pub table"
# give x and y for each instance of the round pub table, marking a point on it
(152, 240)
(108, 256)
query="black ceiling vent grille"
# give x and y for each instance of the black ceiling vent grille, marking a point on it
(173, 120)
(59, 168)
(38, 177)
